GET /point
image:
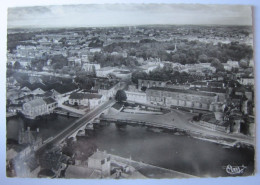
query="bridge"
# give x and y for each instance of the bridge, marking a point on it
(78, 126)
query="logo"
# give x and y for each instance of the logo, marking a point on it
(235, 170)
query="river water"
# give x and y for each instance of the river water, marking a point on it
(48, 127)
(177, 152)
(160, 148)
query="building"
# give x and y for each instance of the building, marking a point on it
(60, 90)
(109, 91)
(39, 107)
(85, 99)
(227, 67)
(149, 67)
(100, 161)
(247, 81)
(35, 88)
(104, 72)
(90, 67)
(178, 97)
(122, 74)
(150, 83)
(139, 97)
(233, 64)
(30, 137)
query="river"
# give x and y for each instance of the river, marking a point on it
(160, 148)
(48, 127)
(168, 150)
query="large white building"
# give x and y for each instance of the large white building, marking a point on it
(139, 97)
(105, 71)
(100, 161)
(85, 99)
(38, 107)
(90, 67)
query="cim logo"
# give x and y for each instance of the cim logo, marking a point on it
(235, 170)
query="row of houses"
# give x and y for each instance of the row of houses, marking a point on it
(202, 95)
(42, 97)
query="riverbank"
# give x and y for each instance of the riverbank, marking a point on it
(150, 171)
(179, 121)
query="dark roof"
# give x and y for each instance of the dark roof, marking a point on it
(216, 84)
(239, 89)
(84, 96)
(46, 94)
(199, 83)
(16, 105)
(64, 88)
(34, 86)
(49, 100)
(152, 80)
(90, 91)
(213, 90)
(26, 96)
(182, 91)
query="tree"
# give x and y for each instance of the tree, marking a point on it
(120, 96)
(217, 64)
(17, 65)
(138, 75)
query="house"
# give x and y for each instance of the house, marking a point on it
(122, 74)
(233, 64)
(39, 107)
(24, 99)
(93, 50)
(30, 137)
(149, 67)
(35, 88)
(90, 67)
(247, 81)
(100, 161)
(60, 90)
(109, 90)
(227, 67)
(103, 72)
(11, 82)
(85, 99)
(180, 98)
(136, 96)
(150, 83)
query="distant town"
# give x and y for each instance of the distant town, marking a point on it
(92, 102)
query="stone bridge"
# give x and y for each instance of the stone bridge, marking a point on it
(81, 130)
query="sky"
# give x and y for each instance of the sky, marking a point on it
(89, 15)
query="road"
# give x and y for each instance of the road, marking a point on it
(74, 126)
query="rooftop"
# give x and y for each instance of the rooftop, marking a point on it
(36, 102)
(84, 96)
(49, 100)
(182, 91)
(99, 155)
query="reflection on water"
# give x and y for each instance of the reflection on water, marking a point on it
(48, 126)
(154, 146)
(177, 152)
